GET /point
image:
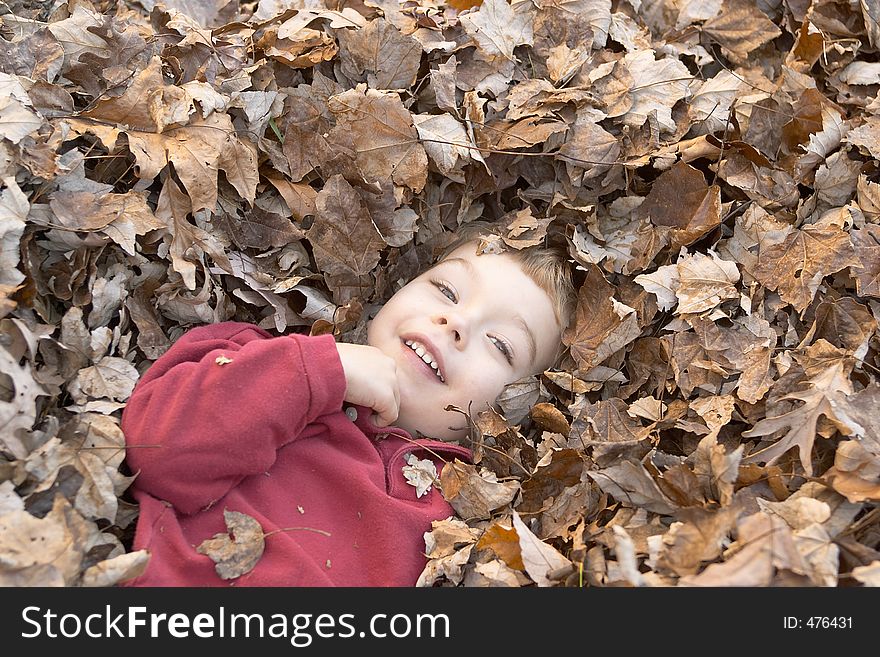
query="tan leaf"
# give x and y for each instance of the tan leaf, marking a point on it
(17, 120)
(540, 559)
(709, 107)
(764, 545)
(17, 416)
(76, 38)
(419, 473)
(172, 208)
(446, 536)
(116, 569)
(626, 567)
(856, 470)
(657, 84)
(473, 494)
(446, 143)
(111, 377)
(497, 28)
(449, 568)
(42, 552)
(236, 552)
(299, 198)
(868, 575)
(495, 573)
(14, 209)
(148, 105)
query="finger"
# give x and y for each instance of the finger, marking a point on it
(386, 409)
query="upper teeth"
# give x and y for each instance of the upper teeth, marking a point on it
(425, 355)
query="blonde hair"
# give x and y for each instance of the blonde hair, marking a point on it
(546, 264)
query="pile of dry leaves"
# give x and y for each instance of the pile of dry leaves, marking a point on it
(710, 165)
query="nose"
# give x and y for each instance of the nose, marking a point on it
(455, 325)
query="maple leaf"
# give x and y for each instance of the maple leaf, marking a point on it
(827, 395)
(797, 265)
(238, 550)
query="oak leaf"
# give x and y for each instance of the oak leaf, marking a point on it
(827, 395)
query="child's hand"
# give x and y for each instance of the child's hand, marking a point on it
(371, 380)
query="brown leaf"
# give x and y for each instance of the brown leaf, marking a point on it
(379, 131)
(379, 55)
(474, 495)
(844, 323)
(504, 542)
(741, 28)
(602, 324)
(37, 56)
(699, 537)
(550, 418)
(631, 484)
(343, 235)
(867, 249)
(261, 230)
(827, 395)
(796, 266)
(237, 551)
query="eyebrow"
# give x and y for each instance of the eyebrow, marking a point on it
(518, 320)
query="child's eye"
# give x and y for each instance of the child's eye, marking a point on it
(447, 291)
(503, 347)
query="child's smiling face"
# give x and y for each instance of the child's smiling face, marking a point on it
(459, 333)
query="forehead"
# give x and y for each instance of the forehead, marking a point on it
(503, 283)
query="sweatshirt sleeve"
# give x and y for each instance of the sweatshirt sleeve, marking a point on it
(219, 403)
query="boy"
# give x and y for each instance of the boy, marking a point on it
(310, 437)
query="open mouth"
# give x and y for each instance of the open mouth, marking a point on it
(426, 356)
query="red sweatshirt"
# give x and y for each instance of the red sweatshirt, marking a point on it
(266, 434)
